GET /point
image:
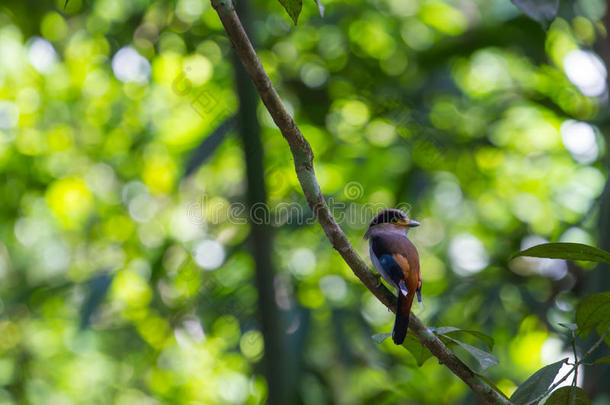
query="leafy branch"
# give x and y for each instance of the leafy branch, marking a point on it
(540, 384)
(592, 313)
(303, 161)
(577, 363)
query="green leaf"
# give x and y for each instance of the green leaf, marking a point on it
(293, 8)
(571, 326)
(602, 360)
(412, 344)
(320, 7)
(543, 11)
(484, 358)
(537, 384)
(451, 331)
(417, 349)
(563, 396)
(566, 251)
(593, 312)
(380, 337)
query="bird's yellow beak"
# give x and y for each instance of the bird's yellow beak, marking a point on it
(408, 223)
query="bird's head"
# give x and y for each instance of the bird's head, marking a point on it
(391, 220)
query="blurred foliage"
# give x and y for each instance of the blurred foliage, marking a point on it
(124, 280)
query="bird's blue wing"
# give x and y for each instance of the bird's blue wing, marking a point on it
(392, 268)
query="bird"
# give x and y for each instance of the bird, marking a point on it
(396, 259)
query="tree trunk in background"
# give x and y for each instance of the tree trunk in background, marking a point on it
(275, 360)
(598, 280)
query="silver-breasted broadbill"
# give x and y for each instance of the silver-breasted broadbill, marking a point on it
(396, 259)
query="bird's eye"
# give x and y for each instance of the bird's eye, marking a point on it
(394, 220)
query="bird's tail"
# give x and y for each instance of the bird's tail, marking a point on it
(401, 323)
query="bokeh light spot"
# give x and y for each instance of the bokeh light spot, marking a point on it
(467, 255)
(70, 200)
(579, 140)
(586, 71)
(9, 115)
(129, 66)
(42, 55)
(209, 254)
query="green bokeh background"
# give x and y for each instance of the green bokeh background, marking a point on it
(125, 276)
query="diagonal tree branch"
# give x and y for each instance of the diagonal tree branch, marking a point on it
(303, 161)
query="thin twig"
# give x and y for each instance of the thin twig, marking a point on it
(303, 161)
(575, 379)
(596, 345)
(547, 392)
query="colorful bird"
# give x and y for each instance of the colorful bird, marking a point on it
(396, 259)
